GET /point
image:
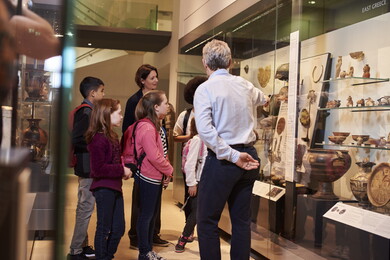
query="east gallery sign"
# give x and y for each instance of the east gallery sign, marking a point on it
(374, 6)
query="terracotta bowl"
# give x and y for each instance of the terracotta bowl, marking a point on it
(341, 134)
(374, 141)
(360, 138)
(337, 139)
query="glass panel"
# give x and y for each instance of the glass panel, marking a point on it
(124, 14)
(348, 125)
(259, 41)
(36, 124)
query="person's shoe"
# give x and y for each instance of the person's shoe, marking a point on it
(80, 256)
(134, 244)
(157, 241)
(191, 238)
(89, 252)
(151, 255)
(181, 243)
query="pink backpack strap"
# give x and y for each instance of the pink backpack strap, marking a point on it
(201, 149)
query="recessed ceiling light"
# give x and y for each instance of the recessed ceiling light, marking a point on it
(89, 44)
(312, 2)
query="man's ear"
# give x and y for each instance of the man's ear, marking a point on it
(204, 64)
(92, 93)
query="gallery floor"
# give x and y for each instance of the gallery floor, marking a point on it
(172, 224)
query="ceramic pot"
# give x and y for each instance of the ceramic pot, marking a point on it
(359, 182)
(35, 138)
(33, 88)
(326, 166)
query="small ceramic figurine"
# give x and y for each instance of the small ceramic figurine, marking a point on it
(360, 102)
(333, 103)
(338, 66)
(349, 101)
(350, 72)
(343, 74)
(366, 71)
(370, 102)
(383, 101)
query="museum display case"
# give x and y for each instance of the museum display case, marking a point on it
(323, 187)
(34, 137)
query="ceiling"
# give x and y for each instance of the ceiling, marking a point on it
(121, 38)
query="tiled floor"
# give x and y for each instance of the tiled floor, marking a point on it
(172, 224)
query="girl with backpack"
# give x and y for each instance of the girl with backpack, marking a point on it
(193, 158)
(107, 172)
(142, 140)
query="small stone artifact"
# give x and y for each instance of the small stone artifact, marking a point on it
(349, 101)
(264, 75)
(370, 102)
(357, 55)
(366, 71)
(333, 103)
(282, 72)
(350, 72)
(360, 102)
(383, 101)
(338, 66)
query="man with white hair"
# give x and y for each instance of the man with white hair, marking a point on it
(224, 107)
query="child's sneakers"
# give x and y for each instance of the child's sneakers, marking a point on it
(181, 243)
(191, 238)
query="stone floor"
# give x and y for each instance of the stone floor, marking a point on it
(172, 225)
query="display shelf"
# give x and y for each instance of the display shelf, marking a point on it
(359, 109)
(41, 102)
(356, 81)
(354, 146)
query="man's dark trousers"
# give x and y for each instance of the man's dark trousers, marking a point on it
(222, 182)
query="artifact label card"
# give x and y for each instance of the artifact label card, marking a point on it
(268, 191)
(360, 218)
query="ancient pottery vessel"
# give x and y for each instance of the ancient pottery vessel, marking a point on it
(326, 166)
(359, 182)
(378, 187)
(35, 138)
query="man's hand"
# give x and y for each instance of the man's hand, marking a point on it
(192, 190)
(246, 162)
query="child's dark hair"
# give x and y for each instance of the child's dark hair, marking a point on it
(192, 85)
(142, 73)
(101, 119)
(88, 84)
(193, 129)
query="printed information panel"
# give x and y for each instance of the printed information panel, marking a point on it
(268, 191)
(359, 218)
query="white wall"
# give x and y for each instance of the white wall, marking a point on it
(194, 13)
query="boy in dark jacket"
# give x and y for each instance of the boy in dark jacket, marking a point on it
(92, 90)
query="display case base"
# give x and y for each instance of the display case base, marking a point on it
(309, 221)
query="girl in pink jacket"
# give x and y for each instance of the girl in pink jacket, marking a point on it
(155, 171)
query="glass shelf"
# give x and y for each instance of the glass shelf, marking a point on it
(356, 81)
(360, 109)
(355, 146)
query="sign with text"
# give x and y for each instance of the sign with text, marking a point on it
(360, 218)
(268, 191)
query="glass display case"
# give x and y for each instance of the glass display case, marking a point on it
(38, 99)
(323, 187)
